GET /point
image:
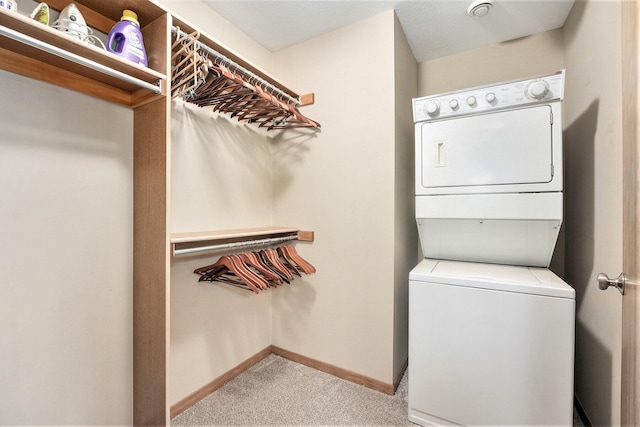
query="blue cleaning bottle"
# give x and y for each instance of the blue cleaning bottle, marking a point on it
(125, 39)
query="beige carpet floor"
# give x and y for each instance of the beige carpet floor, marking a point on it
(279, 392)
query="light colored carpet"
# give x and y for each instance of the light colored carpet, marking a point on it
(279, 392)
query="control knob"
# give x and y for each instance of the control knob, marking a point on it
(490, 97)
(453, 103)
(432, 108)
(537, 89)
(471, 101)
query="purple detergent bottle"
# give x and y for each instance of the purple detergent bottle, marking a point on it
(125, 39)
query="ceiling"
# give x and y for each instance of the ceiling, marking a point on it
(434, 28)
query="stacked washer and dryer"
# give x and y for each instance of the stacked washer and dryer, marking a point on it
(491, 328)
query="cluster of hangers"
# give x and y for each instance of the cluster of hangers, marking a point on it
(255, 271)
(228, 88)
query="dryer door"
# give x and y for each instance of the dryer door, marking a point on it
(496, 152)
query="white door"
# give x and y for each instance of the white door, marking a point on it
(495, 149)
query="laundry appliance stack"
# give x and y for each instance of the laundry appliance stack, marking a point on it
(491, 328)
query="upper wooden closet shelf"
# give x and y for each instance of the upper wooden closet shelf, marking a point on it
(38, 51)
(212, 43)
(209, 75)
(185, 243)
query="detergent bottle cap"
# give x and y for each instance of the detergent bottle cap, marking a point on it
(129, 15)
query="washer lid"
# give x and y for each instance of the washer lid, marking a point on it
(525, 280)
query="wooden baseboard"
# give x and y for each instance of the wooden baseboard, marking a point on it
(335, 371)
(184, 404)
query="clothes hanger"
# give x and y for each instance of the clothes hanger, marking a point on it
(221, 92)
(225, 276)
(209, 270)
(251, 259)
(279, 270)
(266, 264)
(290, 253)
(289, 264)
(227, 88)
(192, 75)
(274, 259)
(249, 274)
(229, 266)
(293, 254)
(220, 272)
(185, 60)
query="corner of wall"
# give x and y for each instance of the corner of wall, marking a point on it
(405, 231)
(593, 165)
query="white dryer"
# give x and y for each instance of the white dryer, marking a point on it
(491, 329)
(489, 172)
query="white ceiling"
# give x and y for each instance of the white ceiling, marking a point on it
(434, 28)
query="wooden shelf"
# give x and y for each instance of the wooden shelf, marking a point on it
(188, 241)
(30, 61)
(218, 47)
(244, 233)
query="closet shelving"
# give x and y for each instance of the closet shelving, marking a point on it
(151, 147)
(206, 40)
(44, 53)
(207, 75)
(186, 243)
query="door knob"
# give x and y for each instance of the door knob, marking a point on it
(604, 282)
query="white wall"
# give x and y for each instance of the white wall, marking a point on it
(66, 164)
(341, 183)
(405, 230)
(221, 179)
(221, 175)
(524, 57)
(225, 33)
(593, 122)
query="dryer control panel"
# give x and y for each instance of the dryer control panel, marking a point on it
(488, 98)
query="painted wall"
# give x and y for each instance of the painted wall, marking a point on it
(221, 175)
(524, 57)
(593, 114)
(66, 180)
(221, 179)
(342, 184)
(228, 176)
(406, 237)
(224, 32)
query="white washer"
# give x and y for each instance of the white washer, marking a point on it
(491, 329)
(490, 345)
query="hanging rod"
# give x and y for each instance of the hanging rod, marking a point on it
(46, 47)
(270, 87)
(234, 245)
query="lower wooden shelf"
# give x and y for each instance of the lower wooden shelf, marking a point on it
(194, 242)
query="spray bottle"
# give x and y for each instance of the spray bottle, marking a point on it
(125, 39)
